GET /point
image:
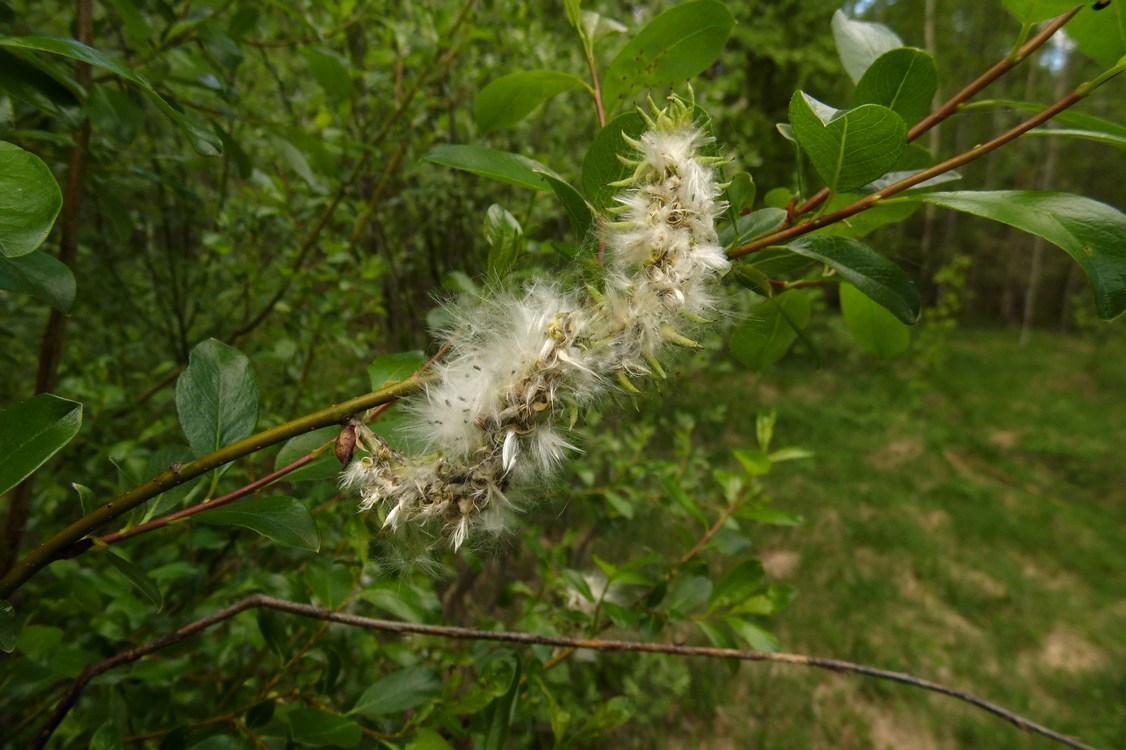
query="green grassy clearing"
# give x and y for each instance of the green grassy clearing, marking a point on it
(966, 527)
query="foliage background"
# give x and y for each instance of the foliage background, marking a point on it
(316, 243)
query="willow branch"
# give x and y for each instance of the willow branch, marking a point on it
(955, 102)
(527, 639)
(785, 235)
(53, 548)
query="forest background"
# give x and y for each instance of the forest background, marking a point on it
(962, 517)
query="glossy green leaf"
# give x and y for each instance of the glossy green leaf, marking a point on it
(509, 99)
(739, 584)
(392, 368)
(1092, 233)
(30, 200)
(1034, 11)
(904, 80)
(399, 691)
(493, 164)
(284, 519)
(137, 577)
(1100, 34)
(1079, 120)
(754, 224)
(601, 165)
(313, 727)
(506, 241)
(9, 627)
(757, 638)
(866, 222)
(847, 147)
(578, 210)
(871, 325)
(38, 88)
(216, 397)
(325, 466)
(769, 330)
(682, 42)
(1110, 139)
(861, 43)
(203, 140)
(39, 275)
(872, 273)
(31, 432)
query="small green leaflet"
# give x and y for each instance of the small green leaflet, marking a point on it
(283, 519)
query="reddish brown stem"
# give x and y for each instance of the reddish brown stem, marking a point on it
(956, 101)
(785, 235)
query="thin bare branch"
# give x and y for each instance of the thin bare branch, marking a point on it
(527, 639)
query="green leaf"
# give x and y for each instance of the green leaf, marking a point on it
(601, 165)
(860, 43)
(1034, 11)
(86, 498)
(755, 462)
(682, 42)
(329, 582)
(329, 71)
(578, 210)
(1111, 139)
(847, 147)
(499, 714)
(137, 577)
(1092, 233)
(312, 727)
(757, 638)
(867, 221)
(30, 200)
(38, 275)
(428, 739)
(216, 397)
(1079, 120)
(740, 583)
(283, 519)
(9, 627)
(506, 241)
(272, 625)
(740, 193)
(324, 466)
(754, 224)
(871, 325)
(688, 593)
(55, 95)
(392, 368)
(399, 691)
(493, 164)
(31, 432)
(203, 140)
(904, 80)
(1100, 34)
(509, 99)
(870, 272)
(767, 334)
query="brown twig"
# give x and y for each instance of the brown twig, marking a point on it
(527, 639)
(955, 102)
(52, 548)
(785, 235)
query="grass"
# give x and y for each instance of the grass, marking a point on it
(966, 526)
